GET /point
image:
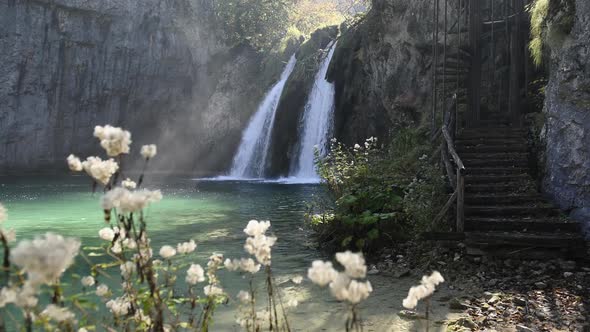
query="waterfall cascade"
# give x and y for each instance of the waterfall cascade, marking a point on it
(317, 123)
(251, 158)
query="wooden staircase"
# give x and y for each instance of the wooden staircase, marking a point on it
(505, 215)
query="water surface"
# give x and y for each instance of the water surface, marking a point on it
(213, 213)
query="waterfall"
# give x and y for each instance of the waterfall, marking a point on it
(318, 122)
(250, 160)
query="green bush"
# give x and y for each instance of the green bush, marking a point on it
(379, 194)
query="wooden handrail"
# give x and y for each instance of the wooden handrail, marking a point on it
(451, 147)
(458, 181)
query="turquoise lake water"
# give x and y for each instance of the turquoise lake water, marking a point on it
(213, 213)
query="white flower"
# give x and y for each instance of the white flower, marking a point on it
(3, 214)
(113, 139)
(186, 247)
(57, 314)
(422, 291)
(195, 274)
(107, 234)
(297, 280)
(321, 273)
(354, 264)
(212, 290)
(255, 228)
(244, 297)
(46, 257)
(7, 295)
(129, 201)
(27, 296)
(127, 269)
(358, 291)
(260, 246)
(100, 170)
(116, 247)
(74, 163)
(87, 281)
(9, 235)
(119, 306)
(149, 151)
(357, 147)
(102, 290)
(140, 317)
(167, 252)
(292, 303)
(353, 291)
(244, 264)
(339, 286)
(129, 243)
(128, 184)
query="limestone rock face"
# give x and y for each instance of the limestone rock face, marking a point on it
(567, 109)
(151, 66)
(382, 71)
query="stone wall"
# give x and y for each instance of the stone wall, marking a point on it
(567, 109)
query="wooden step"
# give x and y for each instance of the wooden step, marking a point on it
(486, 162)
(491, 141)
(520, 224)
(487, 199)
(497, 133)
(486, 170)
(480, 179)
(494, 155)
(521, 239)
(511, 210)
(495, 188)
(490, 148)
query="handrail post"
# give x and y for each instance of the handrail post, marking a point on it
(460, 201)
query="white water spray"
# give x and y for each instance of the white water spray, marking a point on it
(251, 158)
(318, 123)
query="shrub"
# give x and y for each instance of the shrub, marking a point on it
(380, 194)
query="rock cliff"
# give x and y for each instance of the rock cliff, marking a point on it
(381, 70)
(567, 109)
(152, 66)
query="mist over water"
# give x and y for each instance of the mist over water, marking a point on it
(251, 158)
(317, 122)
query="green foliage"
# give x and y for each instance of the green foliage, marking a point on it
(308, 16)
(380, 194)
(539, 11)
(259, 23)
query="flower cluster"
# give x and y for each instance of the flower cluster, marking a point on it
(424, 290)
(343, 285)
(126, 201)
(245, 264)
(6, 235)
(3, 214)
(149, 151)
(129, 184)
(57, 313)
(186, 247)
(114, 140)
(258, 244)
(195, 274)
(100, 170)
(46, 257)
(74, 163)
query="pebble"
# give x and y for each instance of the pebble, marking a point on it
(567, 274)
(540, 285)
(522, 328)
